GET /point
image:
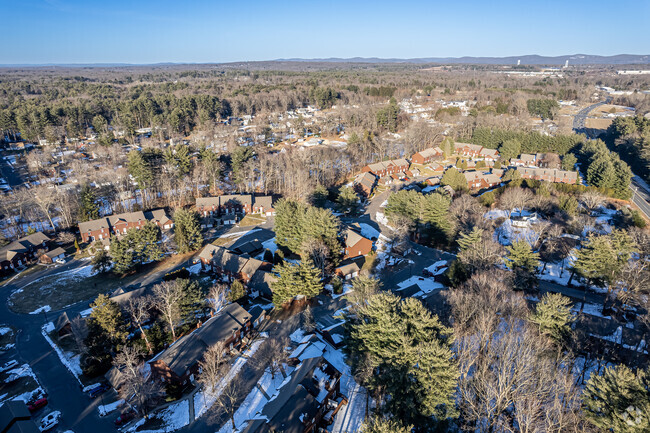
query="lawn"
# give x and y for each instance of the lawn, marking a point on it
(7, 336)
(53, 292)
(252, 220)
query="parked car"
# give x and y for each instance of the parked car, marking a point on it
(37, 404)
(99, 389)
(124, 418)
(9, 365)
(50, 421)
(60, 261)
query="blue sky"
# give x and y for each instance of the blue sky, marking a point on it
(152, 31)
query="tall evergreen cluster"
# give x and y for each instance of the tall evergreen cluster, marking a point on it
(187, 231)
(295, 280)
(604, 169)
(630, 137)
(531, 142)
(136, 247)
(403, 354)
(428, 212)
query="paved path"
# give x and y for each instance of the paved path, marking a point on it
(640, 196)
(579, 120)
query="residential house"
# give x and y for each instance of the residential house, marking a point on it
(387, 168)
(252, 248)
(489, 154)
(355, 244)
(480, 180)
(261, 284)
(63, 326)
(118, 225)
(15, 418)
(222, 210)
(22, 251)
(548, 175)
(365, 183)
(524, 160)
(427, 155)
(51, 256)
(179, 362)
(469, 150)
(231, 264)
(347, 269)
(306, 401)
(548, 160)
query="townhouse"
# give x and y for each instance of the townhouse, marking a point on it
(179, 363)
(478, 180)
(387, 168)
(355, 244)
(118, 225)
(22, 251)
(365, 183)
(235, 266)
(427, 155)
(468, 150)
(548, 175)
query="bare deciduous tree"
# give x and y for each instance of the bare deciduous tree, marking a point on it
(167, 299)
(217, 297)
(79, 332)
(592, 200)
(272, 355)
(230, 395)
(318, 251)
(515, 198)
(138, 310)
(212, 366)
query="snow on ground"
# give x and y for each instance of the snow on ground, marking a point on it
(43, 309)
(347, 288)
(558, 272)
(270, 245)
(383, 248)
(381, 219)
(591, 309)
(108, 408)
(4, 330)
(195, 269)
(506, 234)
(23, 371)
(256, 400)
(69, 360)
(174, 417)
(426, 285)
(238, 234)
(297, 335)
(369, 231)
(203, 400)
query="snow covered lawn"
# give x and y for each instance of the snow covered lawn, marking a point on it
(108, 408)
(426, 285)
(173, 417)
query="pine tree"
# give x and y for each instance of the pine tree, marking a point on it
(447, 147)
(510, 149)
(523, 261)
(319, 195)
(145, 243)
(139, 169)
(378, 424)
(122, 256)
(553, 316)
(284, 287)
(310, 279)
(108, 316)
(88, 208)
(409, 351)
(454, 179)
(183, 159)
(237, 291)
(466, 240)
(187, 231)
(288, 224)
(569, 162)
(101, 262)
(618, 400)
(321, 224)
(348, 200)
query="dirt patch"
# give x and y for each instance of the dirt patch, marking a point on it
(606, 109)
(598, 123)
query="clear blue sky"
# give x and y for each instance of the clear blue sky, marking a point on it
(151, 31)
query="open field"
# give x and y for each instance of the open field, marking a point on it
(606, 109)
(598, 123)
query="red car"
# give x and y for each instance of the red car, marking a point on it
(124, 418)
(37, 404)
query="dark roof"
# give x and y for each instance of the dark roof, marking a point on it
(250, 247)
(256, 311)
(22, 245)
(12, 411)
(188, 350)
(265, 201)
(261, 282)
(23, 427)
(409, 291)
(55, 252)
(115, 377)
(122, 298)
(61, 321)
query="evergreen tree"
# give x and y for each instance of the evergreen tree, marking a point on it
(88, 208)
(319, 195)
(310, 279)
(183, 159)
(467, 240)
(553, 316)
(448, 147)
(510, 149)
(601, 172)
(295, 280)
(101, 262)
(523, 261)
(108, 316)
(288, 224)
(409, 352)
(140, 170)
(322, 225)
(187, 231)
(618, 400)
(601, 259)
(145, 243)
(193, 301)
(454, 179)
(268, 256)
(569, 162)
(378, 424)
(348, 200)
(237, 291)
(122, 256)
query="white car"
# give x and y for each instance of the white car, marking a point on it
(60, 261)
(9, 365)
(50, 421)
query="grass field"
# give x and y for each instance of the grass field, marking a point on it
(606, 109)
(252, 220)
(68, 288)
(598, 123)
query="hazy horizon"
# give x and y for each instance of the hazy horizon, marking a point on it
(89, 32)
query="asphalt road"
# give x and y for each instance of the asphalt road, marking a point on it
(579, 119)
(64, 392)
(640, 196)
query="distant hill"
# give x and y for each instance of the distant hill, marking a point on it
(530, 59)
